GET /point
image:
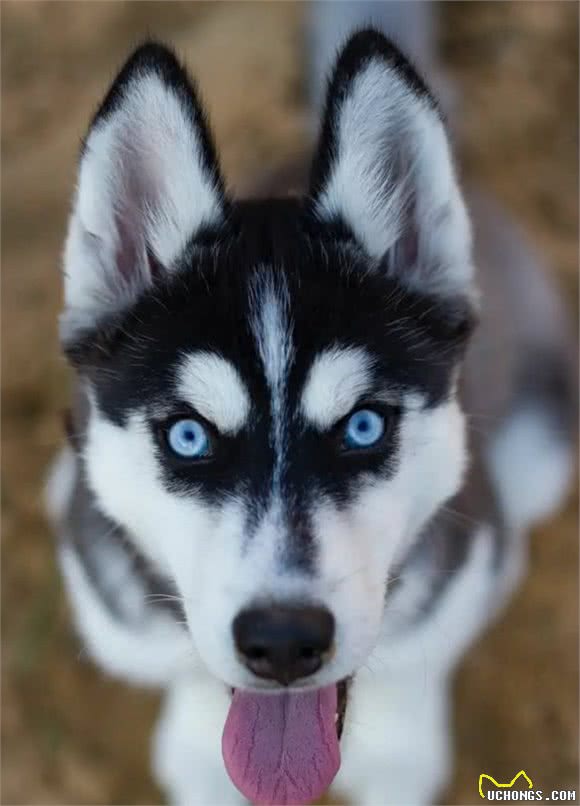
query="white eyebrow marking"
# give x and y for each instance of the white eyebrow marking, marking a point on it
(335, 381)
(213, 386)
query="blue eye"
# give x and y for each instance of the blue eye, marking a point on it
(188, 438)
(364, 429)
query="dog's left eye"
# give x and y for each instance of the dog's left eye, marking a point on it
(363, 429)
(189, 439)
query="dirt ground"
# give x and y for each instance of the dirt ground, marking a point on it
(69, 735)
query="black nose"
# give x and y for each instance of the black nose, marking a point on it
(284, 643)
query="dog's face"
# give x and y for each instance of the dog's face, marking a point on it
(272, 385)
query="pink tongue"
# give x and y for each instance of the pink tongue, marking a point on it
(282, 749)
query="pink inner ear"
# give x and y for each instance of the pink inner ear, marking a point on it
(156, 268)
(127, 257)
(404, 254)
(134, 197)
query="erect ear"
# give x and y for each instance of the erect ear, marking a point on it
(383, 169)
(148, 183)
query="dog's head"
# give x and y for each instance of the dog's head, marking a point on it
(272, 384)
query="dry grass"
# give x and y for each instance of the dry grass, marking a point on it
(69, 735)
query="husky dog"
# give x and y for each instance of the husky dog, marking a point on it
(271, 503)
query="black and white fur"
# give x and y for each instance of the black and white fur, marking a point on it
(272, 320)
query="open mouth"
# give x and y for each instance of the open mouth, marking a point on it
(341, 701)
(283, 747)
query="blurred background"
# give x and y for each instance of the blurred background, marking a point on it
(70, 735)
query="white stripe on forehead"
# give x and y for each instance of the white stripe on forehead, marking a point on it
(271, 326)
(272, 329)
(214, 388)
(336, 380)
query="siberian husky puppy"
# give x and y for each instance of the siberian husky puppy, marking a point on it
(270, 504)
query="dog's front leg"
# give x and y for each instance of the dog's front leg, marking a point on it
(395, 745)
(187, 757)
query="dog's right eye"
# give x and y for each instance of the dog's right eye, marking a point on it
(363, 429)
(189, 439)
